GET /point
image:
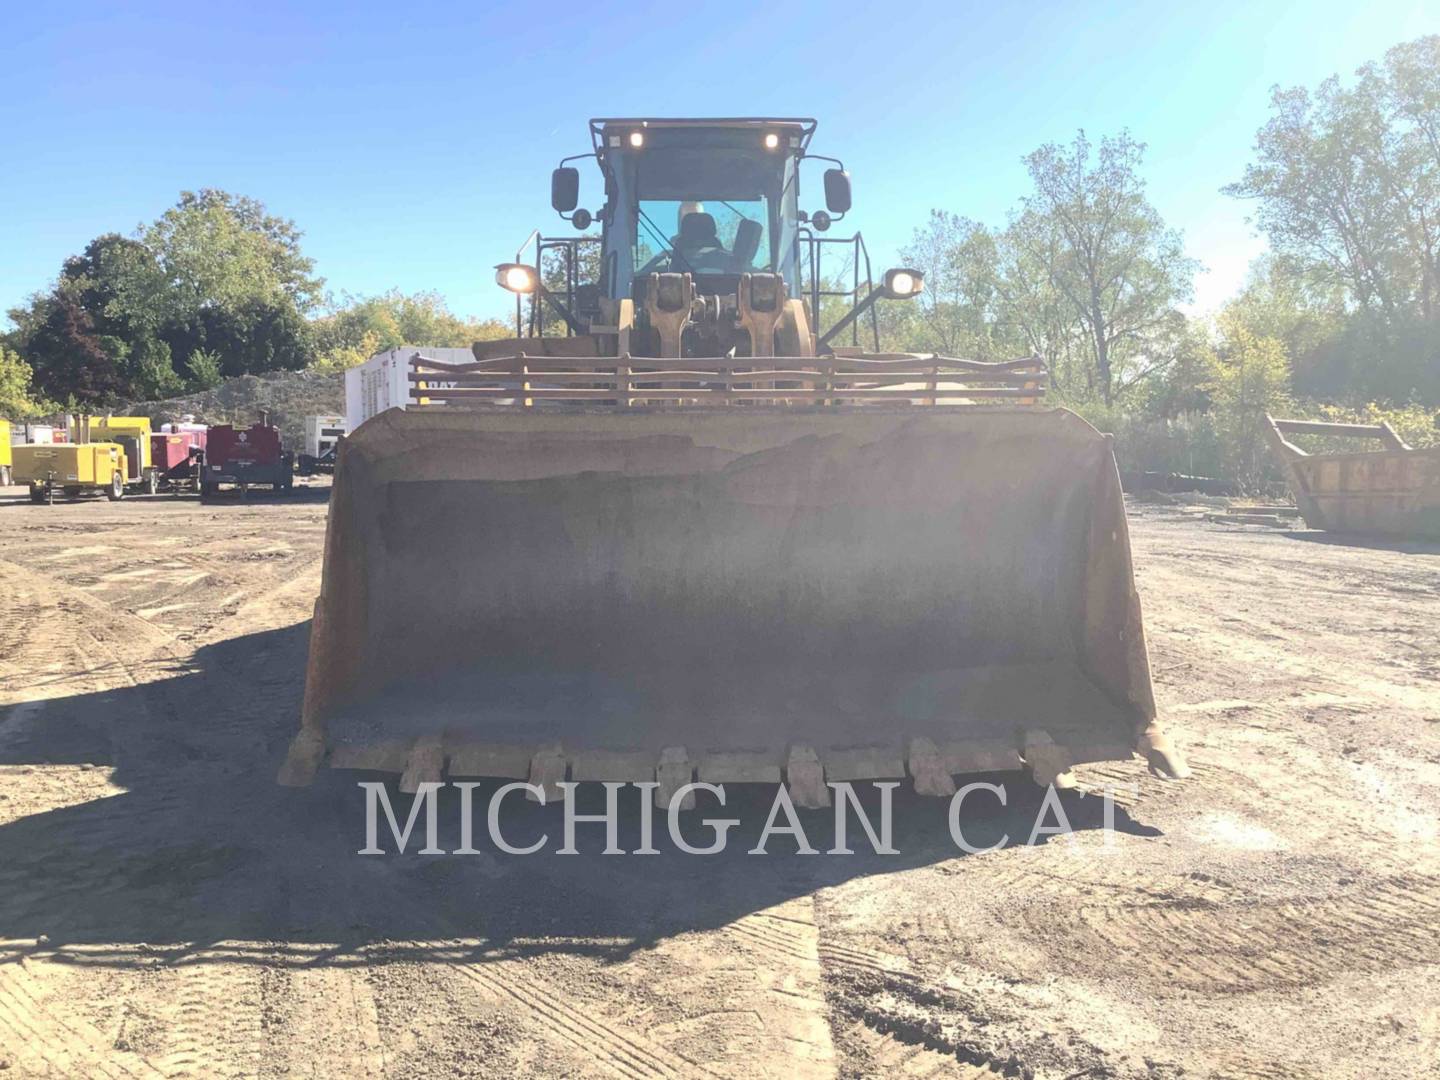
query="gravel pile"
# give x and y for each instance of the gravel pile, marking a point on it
(290, 396)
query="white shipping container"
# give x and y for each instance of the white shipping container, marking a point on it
(322, 432)
(383, 382)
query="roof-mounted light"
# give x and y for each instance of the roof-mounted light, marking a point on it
(772, 141)
(637, 139)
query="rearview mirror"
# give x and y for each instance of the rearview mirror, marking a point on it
(837, 191)
(565, 188)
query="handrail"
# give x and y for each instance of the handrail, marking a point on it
(623, 381)
(1382, 431)
(859, 253)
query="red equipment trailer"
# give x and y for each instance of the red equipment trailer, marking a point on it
(176, 455)
(245, 457)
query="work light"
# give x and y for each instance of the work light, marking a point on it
(516, 277)
(901, 284)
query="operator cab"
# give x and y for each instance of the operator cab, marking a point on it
(700, 246)
(711, 198)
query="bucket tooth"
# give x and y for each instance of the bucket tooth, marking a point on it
(1165, 761)
(927, 770)
(425, 765)
(673, 772)
(302, 761)
(1049, 763)
(547, 770)
(805, 777)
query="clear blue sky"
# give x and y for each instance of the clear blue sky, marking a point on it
(412, 142)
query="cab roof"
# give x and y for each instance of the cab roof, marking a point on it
(603, 128)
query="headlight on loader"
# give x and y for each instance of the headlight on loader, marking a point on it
(901, 284)
(516, 277)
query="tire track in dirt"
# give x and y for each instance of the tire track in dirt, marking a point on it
(32, 1033)
(331, 1024)
(1238, 947)
(572, 1023)
(895, 1024)
(157, 637)
(211, 1014)
(887, 1055)
(266, 692)
(791, 1008)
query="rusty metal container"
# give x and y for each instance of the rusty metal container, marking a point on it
(1389, 492)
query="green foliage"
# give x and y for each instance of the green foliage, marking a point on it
(16, 401)
(205, 369)
(1417, 425)
(1188, 444)
(1111, 267)
(226, 250)
(361, 327)
(215, 273)
(1254, 379)
(1086, 276)
(1346, 184)
(962, 311)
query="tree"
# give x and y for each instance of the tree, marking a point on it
(960, 312)
(71, 360)
(360, 327)
(205, 369)
(1253, 379)
(216, 273)
(16, 402)
(219, 249)
(1107, 255)
(1346, 183)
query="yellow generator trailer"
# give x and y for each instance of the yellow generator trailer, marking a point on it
(132, 433)
(6, 456)
(74, 468)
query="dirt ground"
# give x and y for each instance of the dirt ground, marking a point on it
(167, 910)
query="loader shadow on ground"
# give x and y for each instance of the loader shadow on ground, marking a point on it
(202, 846)
(1371, 543)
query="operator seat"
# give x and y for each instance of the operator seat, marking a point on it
(699, 244)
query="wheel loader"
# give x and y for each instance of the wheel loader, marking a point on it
(678, 530)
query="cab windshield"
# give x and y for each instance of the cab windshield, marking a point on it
(711, 236)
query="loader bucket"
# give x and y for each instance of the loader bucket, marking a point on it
(1391, 492)
(727, 594)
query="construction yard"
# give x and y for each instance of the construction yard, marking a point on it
(167, 910)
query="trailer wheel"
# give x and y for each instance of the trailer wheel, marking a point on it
(152, 482)
(38, 493)
(117, 488)
(5, 477)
